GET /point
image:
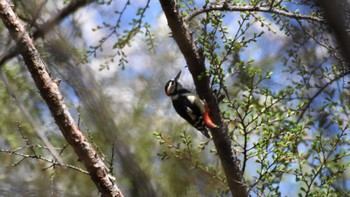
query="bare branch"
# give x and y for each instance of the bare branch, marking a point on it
(29, 119)
(35, 156)
(46, 27)
(49, 91)
(246, 8)
(71, 8)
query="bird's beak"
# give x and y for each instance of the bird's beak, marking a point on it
(178, 76)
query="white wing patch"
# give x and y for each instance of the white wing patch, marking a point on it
(197, 101)
(192, 98)
(190, 113)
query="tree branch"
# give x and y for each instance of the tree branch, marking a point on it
(98, 106)
(196, 64)
(336, 19)
(43, 29)
(38, 157)
(319, 91)
(54, 99)
(28, 117)
(248, 8)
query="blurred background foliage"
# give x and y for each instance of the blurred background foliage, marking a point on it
(282, 82)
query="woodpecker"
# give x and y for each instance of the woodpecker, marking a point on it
(189, 106)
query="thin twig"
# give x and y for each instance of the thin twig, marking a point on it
(318, 93)
(53, 162)
(240, 8)
(38, 130)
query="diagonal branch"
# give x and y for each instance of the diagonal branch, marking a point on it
(196, 64)
(43, 29)
(49, 91)
(319, 91)
(249, 8)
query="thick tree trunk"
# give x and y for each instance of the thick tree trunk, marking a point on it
(54, 99)
(196, 65)
(336, 18)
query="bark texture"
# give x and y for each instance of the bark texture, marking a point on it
(54, 99)
(335, 13)
(196, 64)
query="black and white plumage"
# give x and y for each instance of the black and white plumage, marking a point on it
(188, 105)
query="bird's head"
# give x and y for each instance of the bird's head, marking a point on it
(172, 86)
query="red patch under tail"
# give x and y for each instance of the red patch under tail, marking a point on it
(207, 119)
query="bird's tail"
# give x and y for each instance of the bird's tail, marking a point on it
(205, 132)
